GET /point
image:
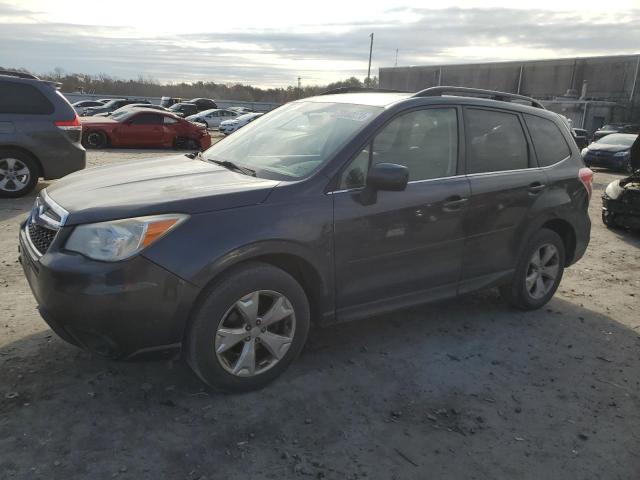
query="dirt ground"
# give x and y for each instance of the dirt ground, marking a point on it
(463, 389)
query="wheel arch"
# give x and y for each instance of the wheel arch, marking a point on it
(290, 258)
(567, 233)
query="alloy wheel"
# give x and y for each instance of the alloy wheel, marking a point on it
(542, 271)
(14, 175)
(255, 333)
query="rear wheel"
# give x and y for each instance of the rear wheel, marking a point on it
(538, 272)
(95, 139)
(251, 325)
(19, 173)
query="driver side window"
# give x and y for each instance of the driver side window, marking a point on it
(424, 141)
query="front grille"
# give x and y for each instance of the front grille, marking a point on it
(41, 237)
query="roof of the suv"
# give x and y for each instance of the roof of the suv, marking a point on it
(382, 98)
(373, 99)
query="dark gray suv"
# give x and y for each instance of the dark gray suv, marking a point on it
(327, 209)
(40, 134)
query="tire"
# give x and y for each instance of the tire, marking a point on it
(523, 294)
(218, 359)
(191, 144)
(19, 173)
(628, 168)
(95, 139)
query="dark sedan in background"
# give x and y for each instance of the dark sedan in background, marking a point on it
(611, 151)
(110, 106)
(611, 128)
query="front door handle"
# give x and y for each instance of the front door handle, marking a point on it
(454, 203)
(536, 187)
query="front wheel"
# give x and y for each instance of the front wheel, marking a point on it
(95, 139)
(252, 324)
(538, 272)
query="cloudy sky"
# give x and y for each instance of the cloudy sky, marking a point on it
(272, 42)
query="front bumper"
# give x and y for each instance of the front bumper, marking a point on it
(605, 161)
(623, 212)
(119, 309)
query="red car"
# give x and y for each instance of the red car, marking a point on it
(144, 128)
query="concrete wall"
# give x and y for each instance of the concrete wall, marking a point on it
(255, 106)
(608, 78)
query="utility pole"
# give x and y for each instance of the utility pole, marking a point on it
(299, 87)
(370, 53)
(396, 58)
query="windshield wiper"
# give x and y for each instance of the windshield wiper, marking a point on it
(234, 167)
(222, 163)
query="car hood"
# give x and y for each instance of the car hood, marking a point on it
(175, 184)
(602, 147)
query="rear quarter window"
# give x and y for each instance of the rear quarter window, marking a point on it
(548, 141)
(23, 99)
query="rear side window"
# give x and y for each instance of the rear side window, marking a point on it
(147, 119)
(23, 99)
(495, 141)
(548, 141)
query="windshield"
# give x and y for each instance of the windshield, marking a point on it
(611, 126)
(294, 140)
(618, 139)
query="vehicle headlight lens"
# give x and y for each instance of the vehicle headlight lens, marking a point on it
(584, 151)
(121, 239)
(621, 154)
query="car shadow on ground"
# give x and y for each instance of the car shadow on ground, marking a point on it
(460, 389)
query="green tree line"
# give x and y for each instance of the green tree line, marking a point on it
(106, 85)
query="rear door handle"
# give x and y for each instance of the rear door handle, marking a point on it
(536, 187)
(454, 203)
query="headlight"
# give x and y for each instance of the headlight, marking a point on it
(613, 190)
(584, 151)
(121, 239)
(621, 154)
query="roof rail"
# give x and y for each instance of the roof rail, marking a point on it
(476, 92)
(338, 90)
(12, 73)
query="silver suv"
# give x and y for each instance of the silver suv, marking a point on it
(40, 134)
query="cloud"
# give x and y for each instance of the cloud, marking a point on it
(319, 53)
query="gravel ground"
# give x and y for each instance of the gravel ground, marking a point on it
(458, 389)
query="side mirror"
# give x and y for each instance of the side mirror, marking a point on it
(384, 176)
(388, 176)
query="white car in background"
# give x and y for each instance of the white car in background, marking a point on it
(230, 126)
(212, 117)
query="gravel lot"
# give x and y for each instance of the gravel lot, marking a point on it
(459, 389)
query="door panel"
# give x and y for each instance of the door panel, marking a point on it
(505, 184)
(498, 212)
(142, 129)
(406, 242)
(406, 245)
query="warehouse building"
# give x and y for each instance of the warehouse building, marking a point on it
(589, 91)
